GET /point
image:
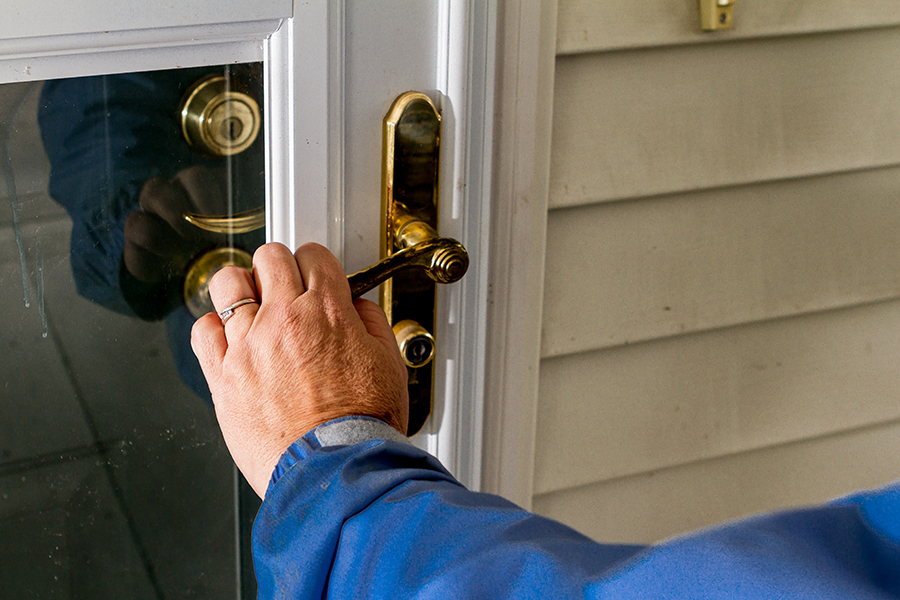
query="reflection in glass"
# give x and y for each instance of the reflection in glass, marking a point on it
(114, 481)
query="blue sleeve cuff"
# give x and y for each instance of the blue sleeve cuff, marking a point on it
(344, 431)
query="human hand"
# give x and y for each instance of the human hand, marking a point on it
(159, 242)
(306, 354)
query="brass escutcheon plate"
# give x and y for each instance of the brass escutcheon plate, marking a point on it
(410, 158)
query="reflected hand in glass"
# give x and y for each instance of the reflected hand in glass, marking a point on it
(126, 174)
(109, 458)
(159, 242)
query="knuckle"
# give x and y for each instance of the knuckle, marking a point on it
(269, 252)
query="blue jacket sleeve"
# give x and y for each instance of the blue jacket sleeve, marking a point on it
(382, 519)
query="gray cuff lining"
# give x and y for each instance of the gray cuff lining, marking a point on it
(352, 431)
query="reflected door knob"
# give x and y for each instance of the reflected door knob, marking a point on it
(201, 271)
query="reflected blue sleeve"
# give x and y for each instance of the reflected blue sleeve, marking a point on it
(105, 136)
(382, 519)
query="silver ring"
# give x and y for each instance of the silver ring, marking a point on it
(228, 311)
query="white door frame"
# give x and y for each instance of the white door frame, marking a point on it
(520, 180)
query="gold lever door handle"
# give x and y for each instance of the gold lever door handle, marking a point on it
(415, 257)
(244, 222)
(444, 260)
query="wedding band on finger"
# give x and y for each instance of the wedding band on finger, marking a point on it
(228, 311)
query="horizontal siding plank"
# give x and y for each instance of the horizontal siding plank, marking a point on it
(633, 124)
(650, 406)
(654, 506)
(633, 271)
(591, 26)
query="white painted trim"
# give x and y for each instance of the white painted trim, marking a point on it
(35, 59)
(465, 84)
(306, 74)
(278, 78)
(336, 119)
(521, 177)
(304, 81)
(68, 17)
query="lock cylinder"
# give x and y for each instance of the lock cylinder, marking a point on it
(217, 119)
(416, 344)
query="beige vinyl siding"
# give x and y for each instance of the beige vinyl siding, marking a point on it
(721, 317)
(644, 269)
(656, 121)
(679, 400)
(586, 26)
(698, 494)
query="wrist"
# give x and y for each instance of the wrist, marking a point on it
(342, 431)
(352, 429)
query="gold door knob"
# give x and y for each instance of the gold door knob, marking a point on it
(218, 118)
(196, 282)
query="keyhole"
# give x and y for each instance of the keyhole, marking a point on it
(723, 18)
(419, 351)
(232, 128)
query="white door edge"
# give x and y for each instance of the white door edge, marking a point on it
(521, 178)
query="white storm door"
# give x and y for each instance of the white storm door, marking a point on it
(111, 469)
(348, 62)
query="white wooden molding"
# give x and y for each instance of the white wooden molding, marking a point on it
(104, 17)
(307, 73)
(52, 57)
(521, 174)
(298, 159)
(465, 66)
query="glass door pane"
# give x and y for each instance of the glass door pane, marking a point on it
(114, 480)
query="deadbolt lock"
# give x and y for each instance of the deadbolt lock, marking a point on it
(218, 117)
